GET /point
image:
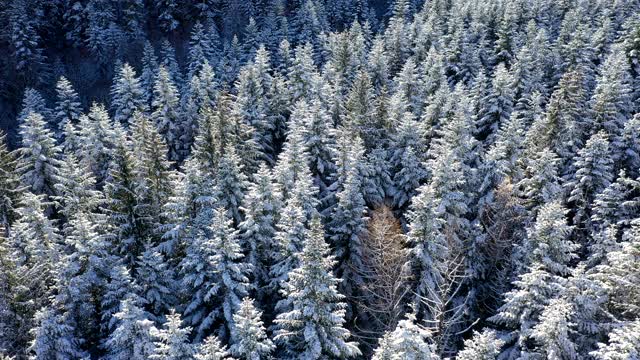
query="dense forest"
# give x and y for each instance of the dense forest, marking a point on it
(320, 179)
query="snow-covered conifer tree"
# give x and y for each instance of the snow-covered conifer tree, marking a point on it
(172, 341)
(313, 327)
(166, 113)
(249, 337)
(127, 95)
(40, 163)
(68, 107)
(131, 339)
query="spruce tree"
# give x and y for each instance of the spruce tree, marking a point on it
(212, 349)
(249, 337)
(231, 184)
(262, 208)
(172, 342)
(156, 281)
(152, 173)
(54, 339)
(97, 137)
(482, 346)
(68, 107)
(594, 173)
(313, 327)
(39, 164)
(131, 339)
(127, 95)
(346, 229)
(409, 340)
(10, 188)
(166, 113)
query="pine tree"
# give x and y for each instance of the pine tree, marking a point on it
(166, 113)
(249, 337)
(172, 342)
(131, 339)
(68, 107)
(39, 165)
(313, 327)
(127, 95)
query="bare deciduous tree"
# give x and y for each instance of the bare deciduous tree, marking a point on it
(385, 276)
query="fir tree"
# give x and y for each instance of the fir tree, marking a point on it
(172, 342)
(482, 346)
(211, 349)
(10, 188)
(68, 107)
(313, 327)
(131, 339)
(166, 113)
(156, 281)
(39, 165)
(409, 340)
(249, 337)
(127, 95)
(262, 208)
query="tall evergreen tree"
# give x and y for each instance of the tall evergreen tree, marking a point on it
(313, 327)
(166, 113)
(127, 95)
(68, 107)
(172, 342)
(249, 337)
(39, 165)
